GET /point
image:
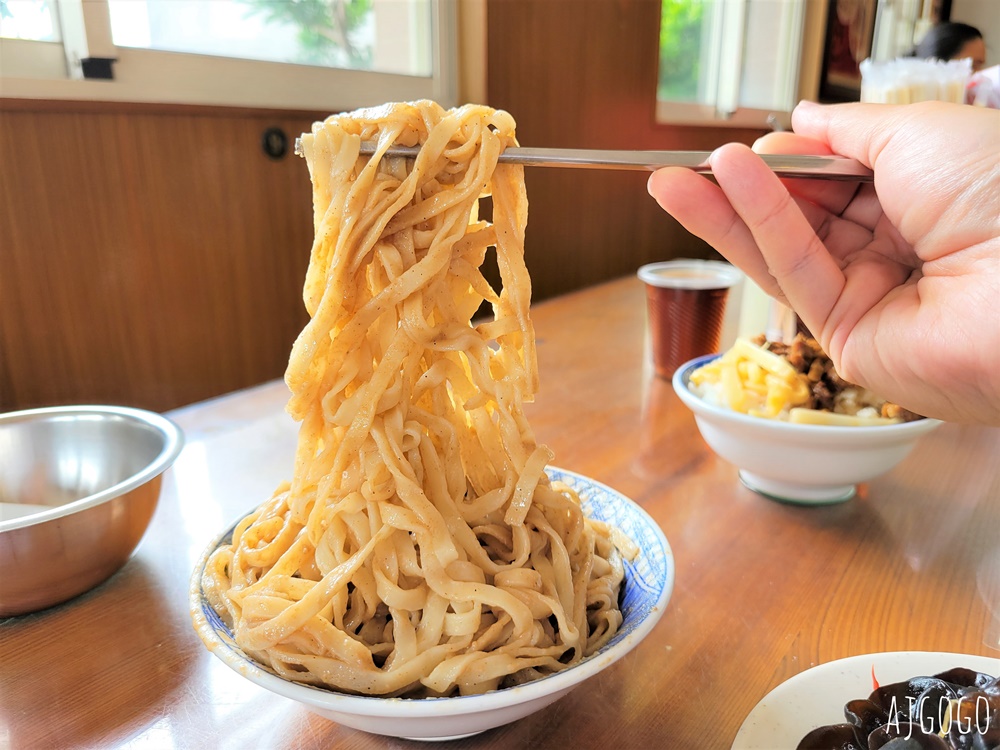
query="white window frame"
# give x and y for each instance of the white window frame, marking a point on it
(50, 70)
(724, 70)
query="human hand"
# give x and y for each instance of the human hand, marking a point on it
(898, 280)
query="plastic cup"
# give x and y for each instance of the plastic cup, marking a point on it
(686, 307)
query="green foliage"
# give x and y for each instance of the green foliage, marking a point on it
(680, 43)
(325, 28)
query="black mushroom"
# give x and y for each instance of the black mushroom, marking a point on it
(954, 710)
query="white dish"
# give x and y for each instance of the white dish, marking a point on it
(805, 464)
(816, 697)
(648, 585)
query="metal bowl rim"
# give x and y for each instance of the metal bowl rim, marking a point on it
(173, 442)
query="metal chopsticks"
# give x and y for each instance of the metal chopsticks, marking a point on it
(783, 165)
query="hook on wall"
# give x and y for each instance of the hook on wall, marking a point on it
(274, 142)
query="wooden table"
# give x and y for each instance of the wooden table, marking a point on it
(763, 590)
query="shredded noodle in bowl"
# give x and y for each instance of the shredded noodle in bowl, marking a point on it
(420, 548)
(791, 383)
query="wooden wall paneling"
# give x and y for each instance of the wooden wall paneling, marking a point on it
(153, 255)
(582, 74)
(146, 258)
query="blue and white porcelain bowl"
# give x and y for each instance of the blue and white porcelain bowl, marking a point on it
(805, 464)
(648, 584)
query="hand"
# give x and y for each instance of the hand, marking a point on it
(899, 280)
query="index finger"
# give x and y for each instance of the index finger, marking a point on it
(808, 275)
(833, 196)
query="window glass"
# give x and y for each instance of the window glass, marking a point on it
(683, 27)
(728, 60)
(341, 55)
(386, 36)
(29, 19)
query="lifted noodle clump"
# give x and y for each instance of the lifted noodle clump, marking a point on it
(419, 549)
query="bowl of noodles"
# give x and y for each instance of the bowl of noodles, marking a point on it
(424, 572)
(796, 431)
(648, 575)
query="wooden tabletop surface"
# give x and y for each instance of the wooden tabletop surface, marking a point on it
(763, 590)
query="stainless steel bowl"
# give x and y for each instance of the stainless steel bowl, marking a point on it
(78, 487)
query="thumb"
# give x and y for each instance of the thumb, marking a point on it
(859, 131)
(864, 131)
(934, 162)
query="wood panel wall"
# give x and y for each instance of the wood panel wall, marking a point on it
(154, 256)
(147, 257)
(582, 74)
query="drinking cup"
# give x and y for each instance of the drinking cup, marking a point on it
(686, 308)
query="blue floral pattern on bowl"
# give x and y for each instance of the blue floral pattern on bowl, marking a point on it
(648, 584)
(649, 575)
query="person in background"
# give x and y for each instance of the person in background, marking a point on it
(899, 280)
(953, 41)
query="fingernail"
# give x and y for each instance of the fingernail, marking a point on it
(649, 184)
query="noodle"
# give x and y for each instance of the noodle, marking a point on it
(419, 549)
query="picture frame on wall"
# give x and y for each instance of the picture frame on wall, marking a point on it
(850, 31)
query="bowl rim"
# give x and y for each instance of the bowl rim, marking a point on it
(173, 442)
(878, 433)
(222, 646)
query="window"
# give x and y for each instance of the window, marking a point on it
(899, 25)
(730, 61)
(301, 54)
(29, 19)
(30, 38)
(356, 34)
